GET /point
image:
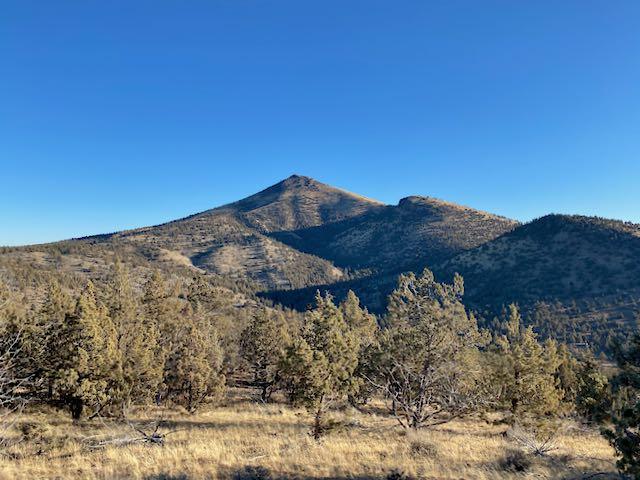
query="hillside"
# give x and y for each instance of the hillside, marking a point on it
(555, 257)
(579, 274)
(419, 231)
(229, 241)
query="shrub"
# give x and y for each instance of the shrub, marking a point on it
(399, 475)
(253, 473)
(515, 461)
(421, 448)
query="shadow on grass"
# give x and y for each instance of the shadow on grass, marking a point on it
(262, 473)
(167, 476)
(222, 425)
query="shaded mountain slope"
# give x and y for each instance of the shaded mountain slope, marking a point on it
(555, 257)
(419, 231)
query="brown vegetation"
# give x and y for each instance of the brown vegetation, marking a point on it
(243, 439)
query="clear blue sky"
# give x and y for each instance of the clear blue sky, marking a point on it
(117, 114)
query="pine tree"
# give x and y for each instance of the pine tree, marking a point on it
(263, 346)
(319, 366)
(88, 355)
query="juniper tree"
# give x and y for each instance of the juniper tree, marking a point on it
(567, 374)
(229, 321)
(263, 346)
(164, 312)
(155, 298)
(320, 364)
(13, 382)
(625, 433)
(526, 371)
(593, 399)
(193, 367)
(427, 361)
(363, 327)
(188, 346)
(140, 369)
(362, 323)
(88, 356)
(57, 306)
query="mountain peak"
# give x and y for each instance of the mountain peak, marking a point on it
(295, 179)
(299, 202)
(299, 182)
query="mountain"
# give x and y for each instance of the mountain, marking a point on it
(300, 235)
(231, 240)
(294, 234)
(298, 202)
(575, 277)
(556, 257)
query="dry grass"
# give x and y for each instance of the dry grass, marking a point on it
(246, 440)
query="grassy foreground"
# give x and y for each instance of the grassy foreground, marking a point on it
(246, 440)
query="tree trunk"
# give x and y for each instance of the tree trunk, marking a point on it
(317, 424)
(77, 406)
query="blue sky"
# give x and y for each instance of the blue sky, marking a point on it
(128, 113)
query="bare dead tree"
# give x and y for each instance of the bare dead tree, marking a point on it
(147, 433)
(12, 385)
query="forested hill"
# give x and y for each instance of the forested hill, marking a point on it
(556, 257)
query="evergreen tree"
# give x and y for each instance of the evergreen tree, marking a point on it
(363, 327)
(263, 346)
(625, 434)
(13, 383)
(155, 299)
(428, 359)
(359, 321)
(193, 367)
(163, 312)
(51, 317)
(593, 398)
(88, 355)
(568, 374)
(526, 371)
(136, 340)
(319, 366)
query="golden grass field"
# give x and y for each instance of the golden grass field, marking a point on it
(247, 440)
